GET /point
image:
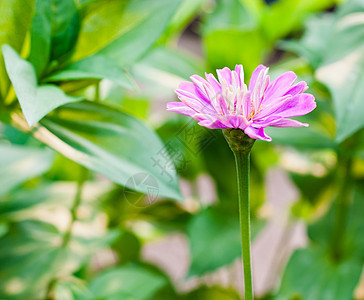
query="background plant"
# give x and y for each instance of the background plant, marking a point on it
(92, 76)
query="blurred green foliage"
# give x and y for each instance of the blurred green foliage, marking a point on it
(91, 164)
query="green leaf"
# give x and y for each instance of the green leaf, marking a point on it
(300, 137)
(111, 143)
(32, 255)
(94, 67)
(15, 17)
(41, 31)
(65, 27)
(310, 274)
(353, 242)
(211, 293)
(124, 34)
(20, 163)
(187, 10)
(347, 91)
(277, 23)
(226, 34)
(35, 101)
(214, 239)
(126, 282)
(54, 31)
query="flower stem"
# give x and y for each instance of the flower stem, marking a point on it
(242, 160)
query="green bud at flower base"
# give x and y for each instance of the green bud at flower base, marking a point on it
(238, 140)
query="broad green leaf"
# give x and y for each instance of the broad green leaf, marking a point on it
(15, 17)
(21, 163)
(35, 101)
(126, 282)
(347, 91)
(94, 67)
(112, 143)
(123, 32)
(214, 239)
(129, 47)
(301, 137)
(312, 275)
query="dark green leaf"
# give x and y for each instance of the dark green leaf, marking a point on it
(35, 101)
(214, 239)
(54, 32)
(353, 242)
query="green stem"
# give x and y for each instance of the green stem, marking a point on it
(342, 207)
(75, 205)
(242, 160)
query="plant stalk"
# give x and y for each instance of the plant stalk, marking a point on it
(342, 205)
(76, 203)
(242, 161)
(241, 145)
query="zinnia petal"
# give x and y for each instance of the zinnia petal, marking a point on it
(257, 133)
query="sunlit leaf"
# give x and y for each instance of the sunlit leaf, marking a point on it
(20, 163)
(111, 143)
(347, 91)
(125, 32)
(126, 282)
(35, 101)
(32, 255)
(15, 17)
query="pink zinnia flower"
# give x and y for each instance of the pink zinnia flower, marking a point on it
(229, 103)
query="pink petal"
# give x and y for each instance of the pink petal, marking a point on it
(280, 86)
(254, 77)
(214, 83)
(298, 106)
(193, 90)
(194, 102)
(224, 73)
(180, 108)
(257, 133)
(297, 89)
(212, 124)
(287, 123)
(275, 121)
